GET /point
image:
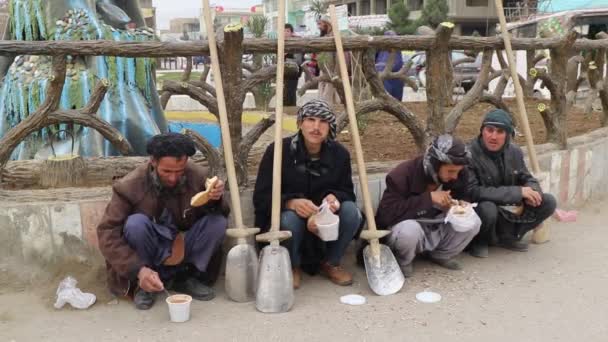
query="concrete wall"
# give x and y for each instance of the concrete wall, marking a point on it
(46, 227)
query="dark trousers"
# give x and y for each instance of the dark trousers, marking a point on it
(290, 92)
(153, 242)
(494, 227)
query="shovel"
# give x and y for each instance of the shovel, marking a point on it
(242, 261)
(275, 282)
(383, 273)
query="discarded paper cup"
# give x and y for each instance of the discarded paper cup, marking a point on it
(179, 307)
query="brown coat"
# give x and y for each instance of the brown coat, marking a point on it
(133, 194)
(407, 196)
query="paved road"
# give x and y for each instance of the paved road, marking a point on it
(555, 292)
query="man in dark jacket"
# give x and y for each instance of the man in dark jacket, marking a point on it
(150, 235)
(315, 169)
(511, 202)
(418, 194)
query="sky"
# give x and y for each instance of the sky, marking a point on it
(167, 9)
(567, 5)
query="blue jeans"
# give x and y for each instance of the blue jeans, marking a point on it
(350, 220)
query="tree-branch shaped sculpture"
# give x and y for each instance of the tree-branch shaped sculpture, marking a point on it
(48, 114)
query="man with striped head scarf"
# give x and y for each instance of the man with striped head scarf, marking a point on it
(316, 172)
(419, 193)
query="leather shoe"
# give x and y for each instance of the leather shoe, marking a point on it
(193, 287)
(513, 245)
(450, 264)
(336, 274)
(144, 300)
(479, 250)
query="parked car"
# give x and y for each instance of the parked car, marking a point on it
(418, 61)
(465, 74)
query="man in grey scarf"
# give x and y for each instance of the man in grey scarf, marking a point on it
(511, 201)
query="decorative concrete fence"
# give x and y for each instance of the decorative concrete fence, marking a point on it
(43, 223)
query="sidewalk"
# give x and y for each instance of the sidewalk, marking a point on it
(555, 292)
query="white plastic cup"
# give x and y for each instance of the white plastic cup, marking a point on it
(329, 232)
(179, 307)
(328, 224)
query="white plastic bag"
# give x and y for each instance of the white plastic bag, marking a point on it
(462, 217)
(328, 223)
(67, 292)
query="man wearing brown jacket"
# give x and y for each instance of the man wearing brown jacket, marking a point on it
(150, 235)
(418, 194)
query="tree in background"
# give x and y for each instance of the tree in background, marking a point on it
(399, 22)
(434, 13)
(264, 91)
(319, 7)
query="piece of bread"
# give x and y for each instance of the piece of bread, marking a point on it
(202, 197)
(460, 207)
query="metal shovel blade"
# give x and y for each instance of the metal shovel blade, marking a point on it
(241, 273)
(275, 283)
(383, 273)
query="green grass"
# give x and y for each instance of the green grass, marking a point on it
(176, 76)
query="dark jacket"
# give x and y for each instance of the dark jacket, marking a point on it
(407, 196)
(135, 193)
(503, 187)
(302, 178)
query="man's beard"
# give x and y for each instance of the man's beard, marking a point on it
(165, 190)
(449, 184)
(323, 33)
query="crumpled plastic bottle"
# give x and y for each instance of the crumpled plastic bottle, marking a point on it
(67, 292)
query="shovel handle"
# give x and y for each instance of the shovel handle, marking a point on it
(519, 94)
(352, 120)
(223, 118)
(541, 233)
(275, 224)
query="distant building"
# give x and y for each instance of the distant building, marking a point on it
(180, 25)
(182, 29)
(223, 16)
(149, 13)
(297, 12)
(3, 17)
(468, 15)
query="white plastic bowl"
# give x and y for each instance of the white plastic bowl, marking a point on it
(328, 231)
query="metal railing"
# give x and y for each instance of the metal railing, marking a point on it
(520, 13)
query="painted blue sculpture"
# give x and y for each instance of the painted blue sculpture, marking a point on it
(131, 104)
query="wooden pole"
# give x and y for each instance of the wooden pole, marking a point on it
(278, 124)
(541, 234)
(519, 93)
(223, 118)
(354, 133)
